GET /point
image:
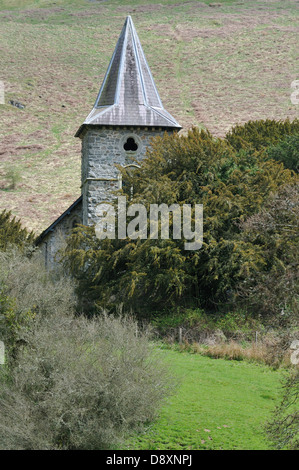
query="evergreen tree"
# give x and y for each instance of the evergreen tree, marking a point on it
(287, 152)
(156, 275)
(261, 134)
(12, 232)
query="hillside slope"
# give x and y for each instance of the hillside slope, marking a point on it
(215, 64)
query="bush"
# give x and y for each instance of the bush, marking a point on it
(27, 290)
(12, 232)
(12, 323)
(201, 327)
(283, 429)
(13, 175)
(80, 384)
(273, 290)
(33, 287)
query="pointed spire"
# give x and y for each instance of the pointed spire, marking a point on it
(128, 95)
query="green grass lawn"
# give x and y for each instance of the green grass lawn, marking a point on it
(219, 404)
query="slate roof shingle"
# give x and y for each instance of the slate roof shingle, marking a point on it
(128, 95)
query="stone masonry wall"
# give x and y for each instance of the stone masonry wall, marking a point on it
(55, 240)
(102, 148)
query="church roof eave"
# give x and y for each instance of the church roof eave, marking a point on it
(51, 227)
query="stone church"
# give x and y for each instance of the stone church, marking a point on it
(127, 113)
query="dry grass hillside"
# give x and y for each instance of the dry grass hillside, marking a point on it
(215, 64)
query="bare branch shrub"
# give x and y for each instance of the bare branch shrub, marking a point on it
(28, 282)
(274, 290)
(283, 429)
(80, 384)
(29, 290)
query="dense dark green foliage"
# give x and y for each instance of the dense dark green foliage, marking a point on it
(261, 134)
(156, 275)
(12, 233)
(287, 152)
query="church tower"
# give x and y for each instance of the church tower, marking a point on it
(127, 113)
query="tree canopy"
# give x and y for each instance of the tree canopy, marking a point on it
(232, 182)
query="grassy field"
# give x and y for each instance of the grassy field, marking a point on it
(215, 64)
(218, 405)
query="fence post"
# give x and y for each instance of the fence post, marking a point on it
(180, 335)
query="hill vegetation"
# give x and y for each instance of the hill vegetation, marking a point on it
(215, 65)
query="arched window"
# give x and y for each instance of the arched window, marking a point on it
(130, 179)
(74, 222)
